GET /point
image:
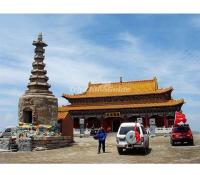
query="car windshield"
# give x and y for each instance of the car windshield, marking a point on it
(8, 130)
(181, 129)
(125, 130)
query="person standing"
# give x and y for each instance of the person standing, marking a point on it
(101, 135)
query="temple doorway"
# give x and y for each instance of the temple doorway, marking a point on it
(115, 125)
(27, 116)
(92, 122)
(133, 118)
(170, 121)
(76, 123)
(160, 121)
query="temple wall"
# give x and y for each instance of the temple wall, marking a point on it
(161, 120)
(67, 127)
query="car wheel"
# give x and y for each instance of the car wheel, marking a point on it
(120, 150)
(172, 143)
(191, 142)
(145, 150)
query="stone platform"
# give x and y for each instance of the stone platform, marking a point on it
(4, 143)
(52, 142)
(30, 144)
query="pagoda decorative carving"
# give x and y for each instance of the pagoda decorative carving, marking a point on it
(38, 105)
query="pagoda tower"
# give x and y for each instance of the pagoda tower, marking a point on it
(38, 105)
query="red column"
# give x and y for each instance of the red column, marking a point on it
(146, 121)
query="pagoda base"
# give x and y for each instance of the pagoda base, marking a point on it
(44, 143)
(38, 109)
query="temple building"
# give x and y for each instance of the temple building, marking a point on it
(110, 104)
(38, 105)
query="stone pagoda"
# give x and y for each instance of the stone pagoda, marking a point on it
(38, 105)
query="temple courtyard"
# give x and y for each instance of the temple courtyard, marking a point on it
(84, 150)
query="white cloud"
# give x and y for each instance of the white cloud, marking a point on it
(67, 72)
(131, 39)
(62, 101)
(193, 103)
(8, 119)
(10, 75)
(195, 21)
(11, 92)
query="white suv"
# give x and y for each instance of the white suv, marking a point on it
(127, 138)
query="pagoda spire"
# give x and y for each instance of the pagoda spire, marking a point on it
(38, 79)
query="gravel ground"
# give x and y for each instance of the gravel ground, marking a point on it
(84, 150)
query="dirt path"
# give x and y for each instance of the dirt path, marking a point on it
(85, 151)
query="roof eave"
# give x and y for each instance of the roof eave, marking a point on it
(64, 108)
(82, 96)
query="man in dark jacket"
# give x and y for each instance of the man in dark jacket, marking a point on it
(101, 135)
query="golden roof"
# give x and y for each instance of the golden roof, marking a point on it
(62, 115)
(121, 106)
(120, 88)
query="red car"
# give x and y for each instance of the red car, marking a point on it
(181, 134)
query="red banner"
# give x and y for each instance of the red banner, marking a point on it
(137, 134)
(179, 118)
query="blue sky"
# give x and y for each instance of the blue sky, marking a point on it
(101, 48)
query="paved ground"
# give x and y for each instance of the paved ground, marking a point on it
(84, 151)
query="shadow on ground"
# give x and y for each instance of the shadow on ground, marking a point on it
(137, 152)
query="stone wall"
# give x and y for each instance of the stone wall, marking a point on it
(4, 143)
(52, 142)
(28, 144)
(24, 144)
(44, 108)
